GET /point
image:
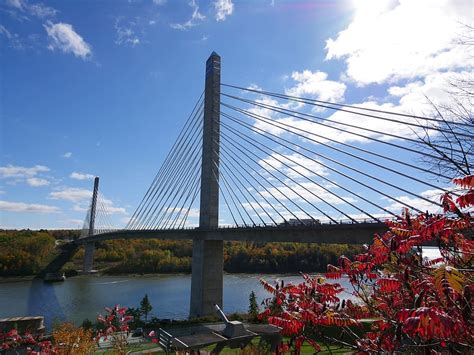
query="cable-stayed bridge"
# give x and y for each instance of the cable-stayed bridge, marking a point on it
(253, 165)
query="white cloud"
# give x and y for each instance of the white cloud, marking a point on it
(79, 208)
(126, 33)
(299, 166)
(193, 21)
(14, 39)
(81, 176)
(159, 2)
(223, 9)
(42, 11)
(74, 222)
(111, 209)
(11, 171)
(67, 155)
(36, 182)
(389, 41)
(39, 9)
(26, 207)
(63, 37)
(421, 204)
(315, 85)
(297, 192)
(73, 194)
(16, 4)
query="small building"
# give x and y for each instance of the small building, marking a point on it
(32, 325)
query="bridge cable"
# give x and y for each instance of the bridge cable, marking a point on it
(224, 196)
(274, 187)
(178, 183)
(183, 210)
(338, 142)
(170, 169)
(175, 168)
(187, 184)
(224, 150)
(167, 163)
(346, 166)
(231, 176)
(341, 107)
(167, 159)
(298, 194)
(272, 152)
(257, 144)
(289, 129)
(229, 192)
(182, 224)
(326, 166)
(233, 171)
(176, 180)
(296, 114)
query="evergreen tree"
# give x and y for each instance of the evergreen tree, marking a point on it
(253, 307)
(145, 307)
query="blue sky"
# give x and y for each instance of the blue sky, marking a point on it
(103, 87)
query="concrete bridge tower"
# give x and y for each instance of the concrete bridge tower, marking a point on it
(208, 255)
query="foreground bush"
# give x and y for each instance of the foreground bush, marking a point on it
(417, 305)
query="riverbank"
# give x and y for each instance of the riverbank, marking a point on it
(27, 252)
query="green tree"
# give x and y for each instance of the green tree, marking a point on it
(145, 307)
(253, 307)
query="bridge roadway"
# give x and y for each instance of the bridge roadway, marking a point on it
(346, 233)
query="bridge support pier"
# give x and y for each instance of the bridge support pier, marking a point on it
(208, 256)
(89, 247)
(207, 278)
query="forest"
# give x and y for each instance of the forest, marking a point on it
(26, 252)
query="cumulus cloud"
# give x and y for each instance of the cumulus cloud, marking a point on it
(36, 182)
(315, 85)
(196, 17)
(223, 9)
(63, 37)
(12, 171)
(81, 176)
(27, 207)
(392, 40)
(72, 194)
(67, 155)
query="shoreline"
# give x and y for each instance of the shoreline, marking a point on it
(13, 279)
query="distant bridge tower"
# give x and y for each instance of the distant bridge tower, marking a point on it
(89, 247)
(208, 255)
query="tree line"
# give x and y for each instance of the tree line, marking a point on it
(26, 252)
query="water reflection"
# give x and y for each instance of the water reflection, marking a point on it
(42, 300)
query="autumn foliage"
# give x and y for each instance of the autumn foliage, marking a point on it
(410, 303)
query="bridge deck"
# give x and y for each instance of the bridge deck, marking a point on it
(357, 233)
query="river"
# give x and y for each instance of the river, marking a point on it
(84, 297)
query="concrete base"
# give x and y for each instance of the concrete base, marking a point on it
(89, 249)
(207, 277)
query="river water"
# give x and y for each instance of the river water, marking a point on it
(84, 297)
